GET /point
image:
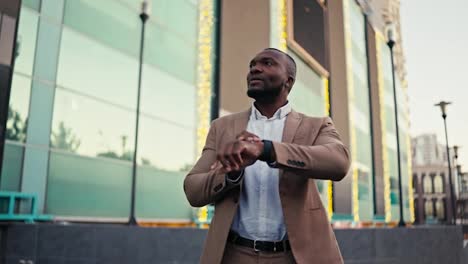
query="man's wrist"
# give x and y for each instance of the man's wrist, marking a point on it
(267, 152)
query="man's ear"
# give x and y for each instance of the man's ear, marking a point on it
(289, 83)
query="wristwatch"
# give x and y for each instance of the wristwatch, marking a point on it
(266, 153)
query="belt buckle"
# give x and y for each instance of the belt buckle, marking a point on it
(255, 246)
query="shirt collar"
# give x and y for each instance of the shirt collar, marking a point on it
(279, 114)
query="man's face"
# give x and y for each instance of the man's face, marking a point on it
(267, 75)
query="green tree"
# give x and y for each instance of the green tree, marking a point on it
(16, 127)
(126, 154)
(64, 138)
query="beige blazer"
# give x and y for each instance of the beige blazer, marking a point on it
(310, 149)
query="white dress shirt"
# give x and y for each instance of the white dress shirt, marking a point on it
(260, 215)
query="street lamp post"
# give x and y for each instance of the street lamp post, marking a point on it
(391, 43)
(459, 174)
(458, 168)
(144, 15)
(443, 108)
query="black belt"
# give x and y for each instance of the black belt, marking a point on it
(257, 245)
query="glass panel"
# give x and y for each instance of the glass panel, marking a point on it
(159, 92)
(89, 127)
(166, 146)
(26, 41)
(171, 53)
(110, 22)
(34, 4)
(305, 100)
(364, 154)
(12, 167)
(81, 186)
(306, 94)
(92, 68)
(170, 12)
(18, 108)
(154, 186)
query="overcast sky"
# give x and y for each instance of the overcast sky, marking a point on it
(435, 42)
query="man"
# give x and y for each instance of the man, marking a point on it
(258, 169)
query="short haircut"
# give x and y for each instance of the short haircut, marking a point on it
(291, 67)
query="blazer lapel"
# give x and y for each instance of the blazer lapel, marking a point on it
(241, 121)
(290, 126)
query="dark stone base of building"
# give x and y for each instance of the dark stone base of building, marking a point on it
(95, 244)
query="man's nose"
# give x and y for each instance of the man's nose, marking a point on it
(255, 69)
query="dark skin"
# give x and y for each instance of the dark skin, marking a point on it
(269, 83)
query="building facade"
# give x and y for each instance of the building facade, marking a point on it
(431, 186)
(70, 133)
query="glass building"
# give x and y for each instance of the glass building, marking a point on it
(70, 133)
(71, 127)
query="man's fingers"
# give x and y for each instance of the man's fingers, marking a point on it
(245, 135)
(227, 160)
(237, 154)
(254, 139)
(221, 158)
(215, 164)
(229, 156)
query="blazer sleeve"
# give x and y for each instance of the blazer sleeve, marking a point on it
(202, 185)
(328, 158)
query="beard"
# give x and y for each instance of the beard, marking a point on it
(264, 93)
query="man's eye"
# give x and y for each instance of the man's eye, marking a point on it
(269, 63)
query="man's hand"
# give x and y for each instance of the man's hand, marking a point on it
(242, 152)
(247, 136)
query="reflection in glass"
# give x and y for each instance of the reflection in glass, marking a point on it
(26, 41)
(64, 138)
(17, 118)
(169, 12)
(168, 98)
(92, 128)
(171, 54)
(91, 68)
(108, 22)
(165, 145)
(34, 4)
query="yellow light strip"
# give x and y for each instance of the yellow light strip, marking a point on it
(329, 184)
(386, 166)
(352, 130)
(205, 71)
(282, 24)
(205, 58)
